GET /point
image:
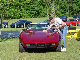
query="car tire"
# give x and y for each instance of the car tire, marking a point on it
(21, 48)
(58, 48)
(22, 26)
(70, 25)
(79, 24)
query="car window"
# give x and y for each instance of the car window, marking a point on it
(37, 26)
(25, 20)
(71, 20)
(63, 17)
(20, 21)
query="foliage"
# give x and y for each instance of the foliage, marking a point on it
(67, 7)
(15, 9)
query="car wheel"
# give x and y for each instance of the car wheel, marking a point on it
(21, 48)
(70, 25)
(58, 48)
(79, 24)
(6, 26)
(22, 26)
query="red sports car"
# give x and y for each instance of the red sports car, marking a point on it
(71, 22)
(35, 37)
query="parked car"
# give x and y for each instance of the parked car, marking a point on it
(35, 37)
(64, 18)
(71, 22)
(76, 17)
(5, 24)
(20, 23)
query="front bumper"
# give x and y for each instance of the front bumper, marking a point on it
(40, 45)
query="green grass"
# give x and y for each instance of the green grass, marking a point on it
(9, 49)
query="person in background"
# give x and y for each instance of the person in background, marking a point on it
(63, 30)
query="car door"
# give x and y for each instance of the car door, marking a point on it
(22, 22)
(78, 22)
(73, 22)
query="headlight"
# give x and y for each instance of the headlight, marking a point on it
(53, 44)
(30, 45)
(27, 45)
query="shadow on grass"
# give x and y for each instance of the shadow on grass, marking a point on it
(5, 39)
(78, 39)
(39, 50)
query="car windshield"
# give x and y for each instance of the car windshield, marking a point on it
(63, 17)
(37, 26)
(19, 22)
(71, 20)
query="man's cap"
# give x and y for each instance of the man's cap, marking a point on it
(50, 18)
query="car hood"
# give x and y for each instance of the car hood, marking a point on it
(40, 37)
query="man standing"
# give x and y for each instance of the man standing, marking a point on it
(63, 30)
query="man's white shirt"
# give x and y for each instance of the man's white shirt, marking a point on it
(57, 22)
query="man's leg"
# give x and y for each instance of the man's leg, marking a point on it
(61, 32)
(64, 37)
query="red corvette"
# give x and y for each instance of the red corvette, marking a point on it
(35, 37)
(71, 22)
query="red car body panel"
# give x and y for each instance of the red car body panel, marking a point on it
(68, 23)
(73, 22)
(39, 37)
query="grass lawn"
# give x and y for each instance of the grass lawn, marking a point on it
(9, 48)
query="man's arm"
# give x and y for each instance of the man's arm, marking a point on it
(62, 24)
(48, 28)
